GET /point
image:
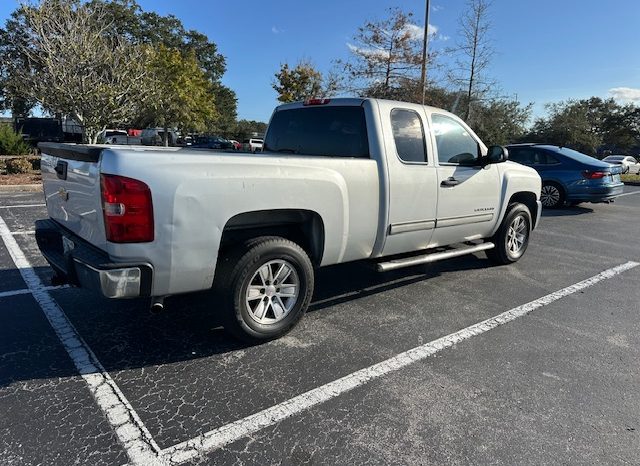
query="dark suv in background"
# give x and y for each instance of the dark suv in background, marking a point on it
(212, 142)
(568, 176)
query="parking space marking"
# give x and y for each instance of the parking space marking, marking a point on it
(27, 232)
(6, 294)
(218, 438)
(134, 436)
(629, 194)
(21, 205)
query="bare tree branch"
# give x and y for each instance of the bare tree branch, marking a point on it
(474, 51)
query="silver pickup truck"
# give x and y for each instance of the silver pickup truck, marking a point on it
(339, 180)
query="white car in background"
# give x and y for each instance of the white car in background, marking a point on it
(252, 145)
(113, 136)
(629, 163)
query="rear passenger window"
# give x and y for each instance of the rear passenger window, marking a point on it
(550, 159)
(520, 156)
(544, 158)
(523, 156)
(455, 144)
(408, 135)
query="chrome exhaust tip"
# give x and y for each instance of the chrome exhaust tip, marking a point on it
(157, 305)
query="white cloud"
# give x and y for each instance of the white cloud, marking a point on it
(378, 53)
(275, 30)
(436, 8)
(443, 38)
(416, 32)
(625, 93)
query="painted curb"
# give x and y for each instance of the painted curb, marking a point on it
(16, 188)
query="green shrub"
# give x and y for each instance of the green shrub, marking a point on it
(18, 165)
(11, 143)
(629, 177)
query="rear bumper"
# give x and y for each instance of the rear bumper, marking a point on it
(81, 264)
(596, 194)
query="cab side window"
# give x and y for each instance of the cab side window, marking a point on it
(455, 144)
(408, 135)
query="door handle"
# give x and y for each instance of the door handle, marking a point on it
(449, 182)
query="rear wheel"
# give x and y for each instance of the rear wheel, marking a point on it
(512, 238)
(552, 195)
(266, 286)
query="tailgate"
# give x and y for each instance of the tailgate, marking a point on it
(71, 182)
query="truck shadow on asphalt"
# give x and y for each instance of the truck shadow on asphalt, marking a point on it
(342, 283)
(124, 335)
(566, 211)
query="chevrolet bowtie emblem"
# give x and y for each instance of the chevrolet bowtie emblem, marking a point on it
(63, 194)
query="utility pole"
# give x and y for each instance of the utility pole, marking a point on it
(425, 42)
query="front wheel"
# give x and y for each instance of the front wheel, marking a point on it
(267, 287)
(512, 238)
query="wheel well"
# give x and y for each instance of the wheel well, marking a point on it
(303, 227)
(529, 199)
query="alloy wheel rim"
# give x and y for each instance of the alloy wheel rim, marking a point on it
(517, 235)
(549, 196)
(272, 292)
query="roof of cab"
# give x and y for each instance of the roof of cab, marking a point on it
(346, 101)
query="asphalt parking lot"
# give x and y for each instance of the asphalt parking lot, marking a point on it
(385, 368)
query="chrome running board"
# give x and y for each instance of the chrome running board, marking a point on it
(433, 257)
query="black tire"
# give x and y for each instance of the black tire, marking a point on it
(239, 269)
(552, 195)
(503, 254)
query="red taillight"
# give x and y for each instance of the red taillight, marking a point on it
(593, 175)
(316, 101)
(127, 208)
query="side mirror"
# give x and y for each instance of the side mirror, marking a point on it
(497, 154)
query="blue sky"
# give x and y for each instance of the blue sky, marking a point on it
(546, 50)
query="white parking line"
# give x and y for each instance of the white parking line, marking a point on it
(136, 439)
(21, 205)
(629, 194)
(229, 433)
(6, 294)
(27, 232)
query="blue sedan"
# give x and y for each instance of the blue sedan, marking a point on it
(569, 176)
